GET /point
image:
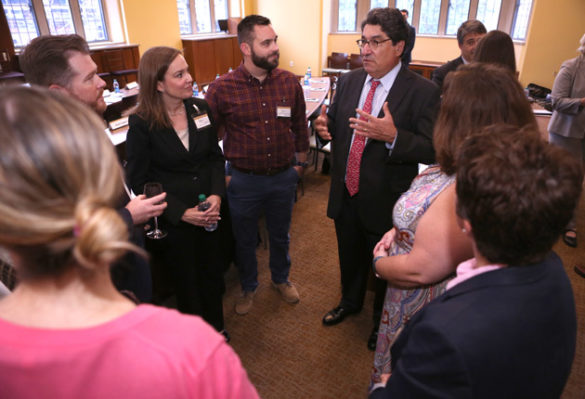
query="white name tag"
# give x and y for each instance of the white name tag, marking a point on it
(202, 121)
(282, 112)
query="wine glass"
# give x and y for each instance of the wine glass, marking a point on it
(150, 190)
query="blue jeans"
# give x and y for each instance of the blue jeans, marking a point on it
(249, 196)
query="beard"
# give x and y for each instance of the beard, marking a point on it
(262, 62)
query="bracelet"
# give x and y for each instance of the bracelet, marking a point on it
(374, 265)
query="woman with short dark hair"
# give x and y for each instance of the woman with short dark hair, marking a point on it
(506, 326)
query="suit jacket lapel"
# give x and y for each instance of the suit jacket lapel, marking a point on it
(397, 92)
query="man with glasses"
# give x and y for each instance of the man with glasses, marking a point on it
(376, 151)
(468, 35)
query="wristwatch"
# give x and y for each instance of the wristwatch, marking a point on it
(303, 164)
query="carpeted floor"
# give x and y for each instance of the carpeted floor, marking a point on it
(286, 350)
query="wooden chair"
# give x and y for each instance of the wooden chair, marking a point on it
(338, 60)
(119, 66)
(355, 61)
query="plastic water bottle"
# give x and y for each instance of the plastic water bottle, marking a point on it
(116, 86)
(195, 89)
(306, 80)
(309, 72)
(203, 206)
(230, 70)
(217, 76)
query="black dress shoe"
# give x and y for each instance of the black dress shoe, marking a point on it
(373, 339)
(336, 316)
(570, 237)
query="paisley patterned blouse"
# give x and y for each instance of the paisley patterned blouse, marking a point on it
(400, 304)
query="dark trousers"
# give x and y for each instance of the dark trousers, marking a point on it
(355, 245)
(249, 197)
(191, 255)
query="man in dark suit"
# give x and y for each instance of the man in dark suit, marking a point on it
(506, 326)
(63, 63)
(468, 35)
(409, 44)
(374, 158)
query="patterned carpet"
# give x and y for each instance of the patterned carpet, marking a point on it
(286, 350)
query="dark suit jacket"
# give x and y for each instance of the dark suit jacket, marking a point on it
(438, 75)
(413, 102)
(409, 45)
(158, 155)
(508, 333)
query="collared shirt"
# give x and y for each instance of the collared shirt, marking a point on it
(264, 122)
(469, 269)
(380, 95)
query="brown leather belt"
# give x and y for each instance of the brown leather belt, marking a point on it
(262, 172)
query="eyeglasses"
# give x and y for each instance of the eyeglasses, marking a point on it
(373, 43)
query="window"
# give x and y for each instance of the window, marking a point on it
(378, 3)
(521, 18)
(429, 17)
(28, 19)
(347, 16)
(457, 14)
(406, 5)
(21, 21)
(441, 17)
(201, 16)
(488, 12)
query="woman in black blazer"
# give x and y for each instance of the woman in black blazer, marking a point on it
(172, 141)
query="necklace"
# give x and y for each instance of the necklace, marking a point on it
(179, 112)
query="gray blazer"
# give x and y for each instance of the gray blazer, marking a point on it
(568, 119)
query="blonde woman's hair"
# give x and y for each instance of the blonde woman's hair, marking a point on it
(59, 181)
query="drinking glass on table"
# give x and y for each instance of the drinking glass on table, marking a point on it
(150, 190)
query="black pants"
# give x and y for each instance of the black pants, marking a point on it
(191, 256)
(355, 244)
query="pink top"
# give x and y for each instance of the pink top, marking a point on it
(468, 269)
(150, 352)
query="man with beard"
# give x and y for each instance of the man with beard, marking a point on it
(63, 63)
(375, 152)
(262, 110)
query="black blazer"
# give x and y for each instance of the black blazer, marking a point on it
(159, 155)
(438, 75)
(413, 102)
(508, 333)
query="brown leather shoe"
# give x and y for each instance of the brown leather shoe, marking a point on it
(288, 291)
(580, 270)
(245, 301)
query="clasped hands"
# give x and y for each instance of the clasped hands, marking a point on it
(382, 248)
(382, 129)
(204, 218)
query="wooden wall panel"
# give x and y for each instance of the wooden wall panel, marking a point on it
(208, 57)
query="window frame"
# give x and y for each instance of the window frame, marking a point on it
(506, 18)
(43, 25)
(214, 28)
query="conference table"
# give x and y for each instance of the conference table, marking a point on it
(315, 94)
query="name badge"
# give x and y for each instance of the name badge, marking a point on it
(201, 121)
(282, 112)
